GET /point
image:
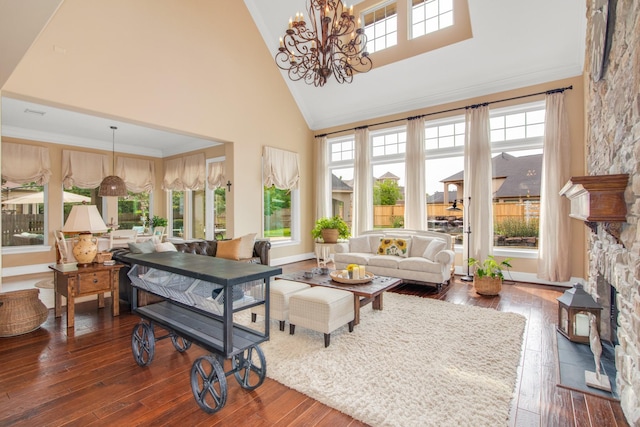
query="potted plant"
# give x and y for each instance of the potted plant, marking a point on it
(488, 276)
(330, 229)
(157, 221)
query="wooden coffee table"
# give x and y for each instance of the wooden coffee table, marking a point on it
(363, 294)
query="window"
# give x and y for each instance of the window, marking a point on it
(281, 200)
(381, 27)
(133, 211)
(23, 214)
(428, 16)
(177, 213)
(198, 214)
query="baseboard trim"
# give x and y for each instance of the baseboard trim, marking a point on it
(25, 269)
(519, 276)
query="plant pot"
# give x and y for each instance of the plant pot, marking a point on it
(330, 235)
(487, 285)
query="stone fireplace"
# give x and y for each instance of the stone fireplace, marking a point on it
(612, 117)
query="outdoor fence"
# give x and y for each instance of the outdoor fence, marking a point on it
(14, 225)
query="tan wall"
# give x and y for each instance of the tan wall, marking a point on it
(171, 65)
(574, 101)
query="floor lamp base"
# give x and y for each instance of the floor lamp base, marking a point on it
(467, 278)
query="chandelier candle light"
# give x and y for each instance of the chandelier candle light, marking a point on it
(330, 44)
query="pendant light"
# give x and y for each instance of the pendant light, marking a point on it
(113, 186)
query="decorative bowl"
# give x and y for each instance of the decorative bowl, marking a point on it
(338, 277)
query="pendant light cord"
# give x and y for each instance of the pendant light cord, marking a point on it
(113, 149)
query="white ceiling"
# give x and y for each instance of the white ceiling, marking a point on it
(515, 43)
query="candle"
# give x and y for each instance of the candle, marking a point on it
(281, 42)
(581, 326)
(356, 273)
(362, 272)
(351, 12)
(290, 23)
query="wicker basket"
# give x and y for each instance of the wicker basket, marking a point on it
(21, 312)
(103, 256)
(487, 285)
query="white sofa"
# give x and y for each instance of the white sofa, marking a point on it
(427, 258)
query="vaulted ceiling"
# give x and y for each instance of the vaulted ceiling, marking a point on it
(515, 43)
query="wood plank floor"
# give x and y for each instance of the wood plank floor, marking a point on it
(89, 378)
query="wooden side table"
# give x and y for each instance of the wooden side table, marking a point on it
(323, 253)
(95, 279)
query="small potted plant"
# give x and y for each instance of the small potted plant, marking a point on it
(330, 229)
(488, 277)
(157, 221)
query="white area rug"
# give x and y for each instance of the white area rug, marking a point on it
(419, 362)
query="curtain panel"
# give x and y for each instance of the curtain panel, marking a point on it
(83, 170)
(478, 190)
(323, 179)
(554, 244)
(216, 175)
(280, 168)
(23, 163)
(184, 173)
(139, 175)
(363, 184)
(415, 193)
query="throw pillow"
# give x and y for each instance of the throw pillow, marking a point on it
(145, 247)
(397, 247)
(434, 247)
(246, 245)
(228, 249)
(359, 244)
(165, 247)
(419, 244)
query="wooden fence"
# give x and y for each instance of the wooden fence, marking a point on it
(13, 225)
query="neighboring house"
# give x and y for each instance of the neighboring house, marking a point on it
(341, 193)
(515, 179)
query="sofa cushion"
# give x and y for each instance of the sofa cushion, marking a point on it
(434, 247)
(419, 244)
(360, 244)
(229, 249)
(352, 258)
(387, 261)
(419, 264)
(145, 247)
(374, 242)
(397, 247)
(246, 245)
(165, 247)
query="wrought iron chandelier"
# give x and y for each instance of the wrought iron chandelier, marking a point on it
(330, 44)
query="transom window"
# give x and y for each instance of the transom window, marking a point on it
(428, 16)
(389, 143)
(342, 150)
(381, 27)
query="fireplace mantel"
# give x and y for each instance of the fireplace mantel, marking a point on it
(598, 198)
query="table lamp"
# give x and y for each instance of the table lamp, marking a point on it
(84, 220)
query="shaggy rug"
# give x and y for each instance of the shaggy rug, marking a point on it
(419, 362)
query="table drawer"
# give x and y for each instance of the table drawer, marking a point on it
(91, 282)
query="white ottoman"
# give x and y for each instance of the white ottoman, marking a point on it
(322, 310)
(279, 293)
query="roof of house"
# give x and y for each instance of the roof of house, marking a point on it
(521, 175)
(438, 197)
(388, 175)
(339, 185)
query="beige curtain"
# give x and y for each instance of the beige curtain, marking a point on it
(280, 168)
(415, 193)
(363, 184)
(478, 191)
(323, 179)
(554, 244)
(84, 170)
(216, 175)
(138, 174)
(25, 163)
(184, 173)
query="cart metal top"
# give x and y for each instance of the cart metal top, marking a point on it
(216, 270)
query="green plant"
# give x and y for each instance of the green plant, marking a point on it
(158, 221)
(489, 267)
(397, 221)
(335, 222)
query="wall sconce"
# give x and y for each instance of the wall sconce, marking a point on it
(229, 186)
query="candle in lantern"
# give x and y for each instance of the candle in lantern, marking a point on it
(581, 325)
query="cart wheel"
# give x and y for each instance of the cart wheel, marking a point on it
(180, 343)
(209, 384)
(143, 344)
(250, 368)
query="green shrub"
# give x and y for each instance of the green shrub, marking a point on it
(517, 227)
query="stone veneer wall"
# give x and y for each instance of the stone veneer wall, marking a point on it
(612, 108)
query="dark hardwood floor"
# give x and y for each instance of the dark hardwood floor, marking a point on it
(87, 378)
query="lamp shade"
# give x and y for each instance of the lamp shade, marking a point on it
(84, 219)
(112, 186)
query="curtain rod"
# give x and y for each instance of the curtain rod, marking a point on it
(547, 92)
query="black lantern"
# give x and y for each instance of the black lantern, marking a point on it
(573, 314)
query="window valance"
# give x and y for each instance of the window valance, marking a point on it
(216, 175)
(139, 175)
(23, 163)
(184, 173)
(280, 168)
(82, 169)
